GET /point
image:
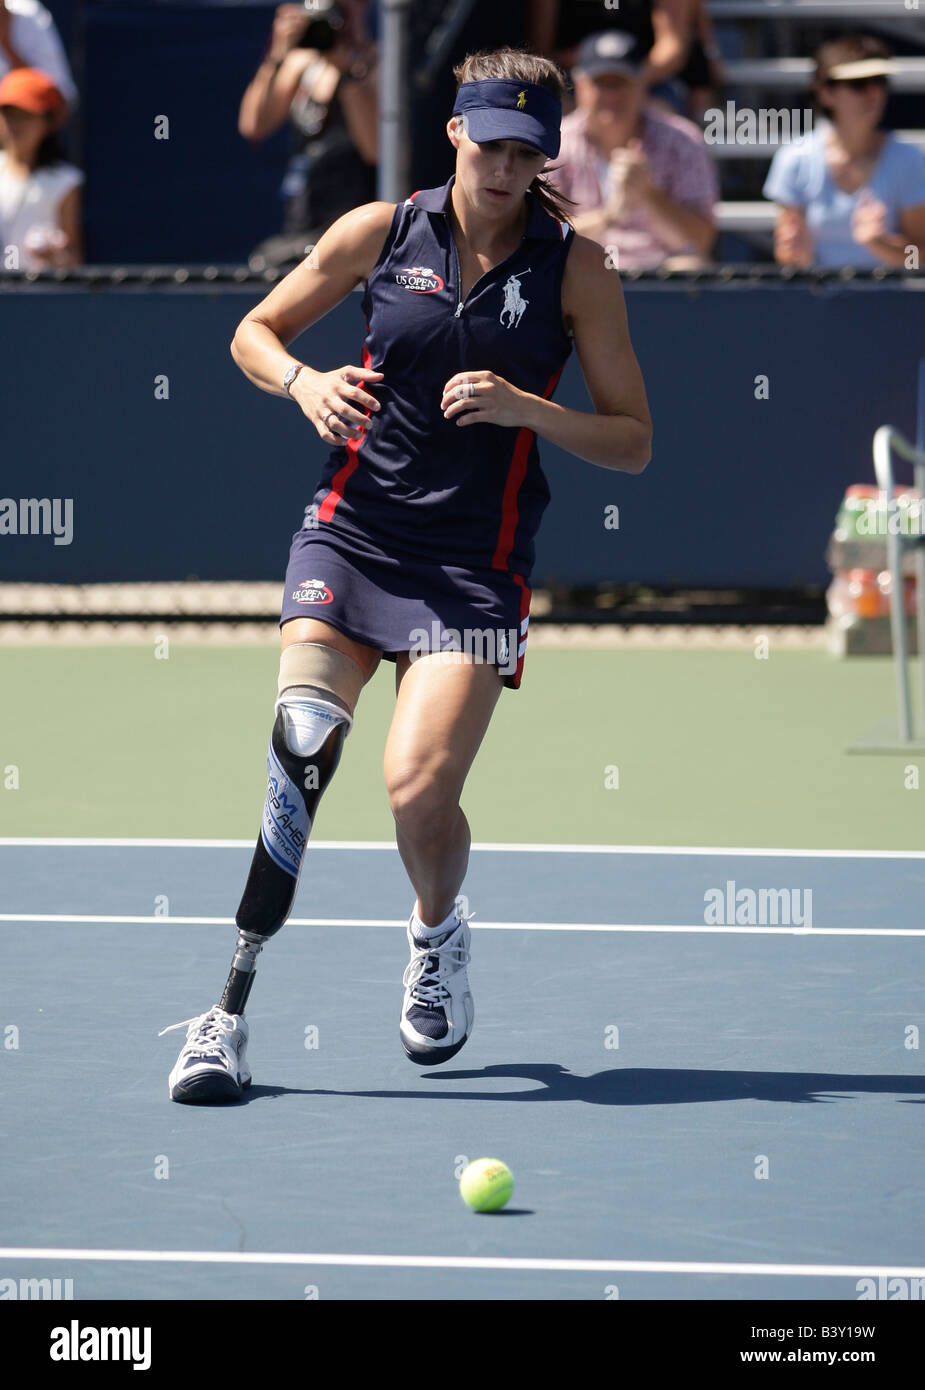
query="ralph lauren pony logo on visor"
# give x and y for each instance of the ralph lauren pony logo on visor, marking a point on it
(419, 279)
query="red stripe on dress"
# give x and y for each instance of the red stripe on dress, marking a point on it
(522, 636)
(517, 470)
(336, 492)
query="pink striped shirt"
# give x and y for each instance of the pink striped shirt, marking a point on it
(678, 164)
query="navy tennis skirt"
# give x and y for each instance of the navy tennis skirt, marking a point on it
(401, 604)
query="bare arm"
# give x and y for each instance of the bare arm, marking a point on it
(266, 102)
(671, 24)
(893, 248)
(69, 221)
(679, 225)
(359, 100)
(618, 434)
(593, 224)
(542, 20)
(793, 241)
(342, 258)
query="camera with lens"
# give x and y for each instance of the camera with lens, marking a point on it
(326, 26)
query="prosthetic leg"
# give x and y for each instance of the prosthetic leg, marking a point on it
(318, 690)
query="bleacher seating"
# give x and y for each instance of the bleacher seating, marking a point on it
(767, 47)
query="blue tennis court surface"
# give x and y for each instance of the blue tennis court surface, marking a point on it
(693, 1108)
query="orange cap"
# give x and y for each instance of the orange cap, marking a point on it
(30, 90)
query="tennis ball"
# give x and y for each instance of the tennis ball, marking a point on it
(486, 1184)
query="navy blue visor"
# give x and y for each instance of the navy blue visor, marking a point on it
(502, 109)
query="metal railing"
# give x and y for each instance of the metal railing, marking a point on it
(888, 441)
(865, 11)
(906, 74)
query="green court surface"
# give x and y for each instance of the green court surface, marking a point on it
(709, 748)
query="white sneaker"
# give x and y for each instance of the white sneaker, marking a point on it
(437, 1010)
(213, 1062)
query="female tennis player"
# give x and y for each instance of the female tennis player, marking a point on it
(418, 545)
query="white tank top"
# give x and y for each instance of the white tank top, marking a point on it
(31, 206)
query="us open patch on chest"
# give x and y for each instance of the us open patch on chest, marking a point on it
(313, 591)
(419, 279)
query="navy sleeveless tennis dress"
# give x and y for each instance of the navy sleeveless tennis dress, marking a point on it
(420, 534)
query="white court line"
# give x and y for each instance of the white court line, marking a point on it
(90, 843)
(101, 919)
(236, 1257)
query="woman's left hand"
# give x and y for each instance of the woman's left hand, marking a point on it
(868, 221)
(483, 398)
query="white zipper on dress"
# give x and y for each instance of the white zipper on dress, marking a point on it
(462, 302)
(459, 306)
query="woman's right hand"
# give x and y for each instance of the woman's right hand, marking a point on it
(333, 403)
(793, 241)
(289, 24)
(869, 219)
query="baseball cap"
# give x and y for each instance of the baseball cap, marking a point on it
(612, 50)
(30, 90)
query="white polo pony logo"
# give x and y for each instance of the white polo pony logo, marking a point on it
(514, 303)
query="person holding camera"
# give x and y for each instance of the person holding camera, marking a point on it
(319, 73)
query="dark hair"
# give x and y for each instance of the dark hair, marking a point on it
(519, 65)
(848, 48)
(50, 151)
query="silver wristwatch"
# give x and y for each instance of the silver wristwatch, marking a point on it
(290, 377)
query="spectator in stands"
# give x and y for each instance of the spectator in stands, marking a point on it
(319, 72)
(39, 191)
(675, 35)
(849, 193)
(29, 39)
(641, 178)
(703, 75)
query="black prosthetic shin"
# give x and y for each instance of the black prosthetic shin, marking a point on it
(296, 781)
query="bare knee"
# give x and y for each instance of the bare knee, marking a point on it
(425, 804)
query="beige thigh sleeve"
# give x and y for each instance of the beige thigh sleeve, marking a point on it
(324, 669)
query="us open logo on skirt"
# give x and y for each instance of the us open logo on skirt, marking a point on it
(313, 591)
(420, 279)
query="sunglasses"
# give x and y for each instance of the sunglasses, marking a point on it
(857, 84)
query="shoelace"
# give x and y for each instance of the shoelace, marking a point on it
(209, 1036)
(422, 974)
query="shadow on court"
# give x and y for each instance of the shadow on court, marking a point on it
(639, 1086)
